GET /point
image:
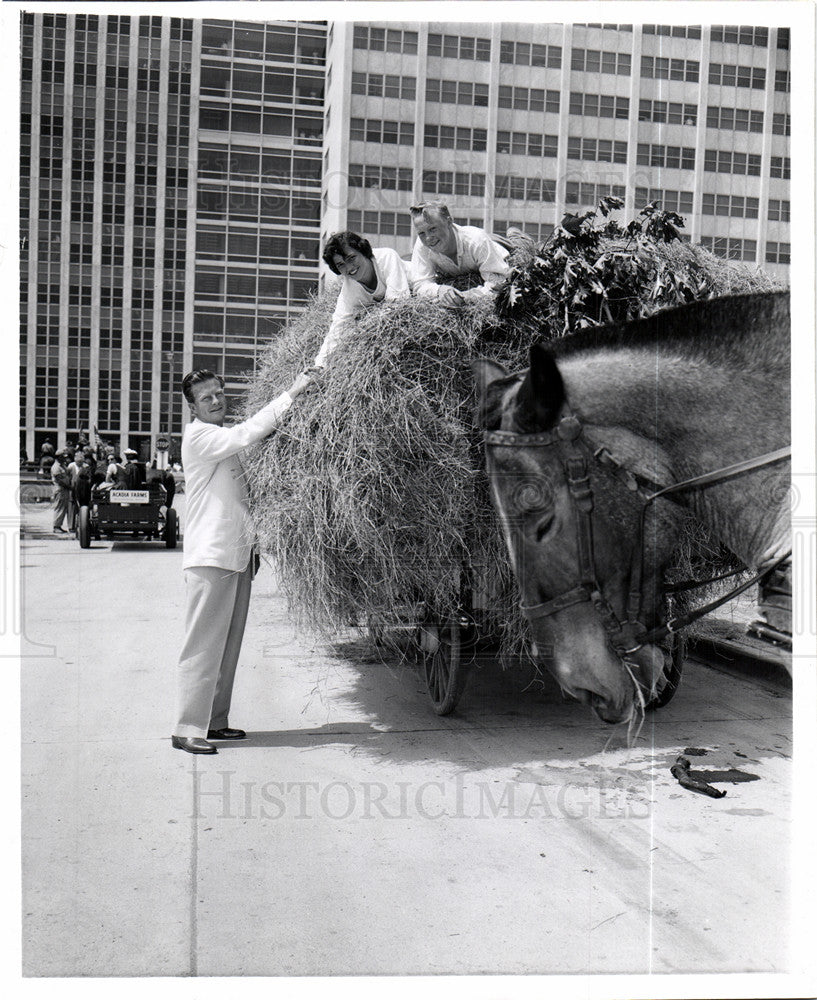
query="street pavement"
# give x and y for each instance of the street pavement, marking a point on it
(354, 831)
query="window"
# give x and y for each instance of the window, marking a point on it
(379, 40)
(449, 182)
(727, 75)
(669, 201)
(457, 92)
(780, 167)
(671, 112)
(781, 124)
(595, 61)
(390, 223)
(376, 176)
(523, 99)
(605, 150)
(783, 38)
(782, 81)
(451, 137)
(779, 211)
(741, 34)
(538, 231)
(525, 188)
(456, 47)
(378, 85)
(737, 119)
(527, 54)
(589, 195)
(527, 143)
(726, 162)
(778, 253)
(374, 130)
(655, 68)
(734, 206)
(674, 31)
(677, 157)
(730, 248)
(599, 105)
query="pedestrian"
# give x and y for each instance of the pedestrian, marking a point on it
(46, 459)
(61, 479)
(73, 471)
(219, 557)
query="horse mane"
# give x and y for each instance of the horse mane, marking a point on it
(751, 331)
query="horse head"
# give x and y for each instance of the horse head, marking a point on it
(572, 530)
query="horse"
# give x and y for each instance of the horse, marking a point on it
(580, 445)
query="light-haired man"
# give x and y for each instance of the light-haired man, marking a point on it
(444, 249)
(219, 557)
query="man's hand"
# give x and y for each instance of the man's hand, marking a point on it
(450, 297)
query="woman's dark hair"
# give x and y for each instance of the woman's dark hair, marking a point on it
(341, 244)
(192, 379)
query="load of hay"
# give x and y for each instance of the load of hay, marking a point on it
(371, 498)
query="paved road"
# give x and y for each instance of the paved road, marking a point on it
(356, 832)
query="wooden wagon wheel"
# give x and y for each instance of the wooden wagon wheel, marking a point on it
(446, 649)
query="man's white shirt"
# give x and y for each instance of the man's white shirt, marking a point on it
(392, 283)
(476, 251)
(218, 530)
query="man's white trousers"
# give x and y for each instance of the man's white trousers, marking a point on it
(217, 602)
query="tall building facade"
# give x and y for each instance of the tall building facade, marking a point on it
(178, 176)
(517, 124)
(170, 202)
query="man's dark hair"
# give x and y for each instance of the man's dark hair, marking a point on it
(192, 379)
(341, 244)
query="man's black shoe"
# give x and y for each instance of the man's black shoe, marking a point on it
(192, 744)
(226, 734)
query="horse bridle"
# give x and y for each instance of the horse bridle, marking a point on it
(576, 452)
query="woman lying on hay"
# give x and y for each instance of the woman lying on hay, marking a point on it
(373, 492)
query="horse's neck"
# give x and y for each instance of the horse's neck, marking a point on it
(672, 419)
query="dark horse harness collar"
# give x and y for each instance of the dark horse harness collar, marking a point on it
(630, 635)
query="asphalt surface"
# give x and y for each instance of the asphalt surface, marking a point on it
(355, 832)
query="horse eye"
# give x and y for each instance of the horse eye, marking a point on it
(543, 527)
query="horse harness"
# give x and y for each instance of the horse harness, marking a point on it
(630, 635)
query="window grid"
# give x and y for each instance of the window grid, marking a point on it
(384, 40)
(459, 47)
(736, 119)
(380, 85)
(372, 175)
(388, 132)
(389, 223)
(538, 231)
(597, 61)
(527, 143)
(669, 201)
(525, 99)
(669, 112)
(588, 195)
(740, 34)
(453, 182)
(659, 68)
(728, 75)
(781, 124)
(779, 210)
(723, 161)
(525, 188)
(778, 253)
(780, 167)
(732, 205)
(457, 92)
(599, 105)
(451, 137)
(674, 30)
(604, 150)
(676, 157)
(531, 54)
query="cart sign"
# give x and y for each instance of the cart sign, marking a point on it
(130, 496)
(162, 444)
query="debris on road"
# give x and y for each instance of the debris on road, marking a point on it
(680, 770)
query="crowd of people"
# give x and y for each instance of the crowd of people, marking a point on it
(77, 470)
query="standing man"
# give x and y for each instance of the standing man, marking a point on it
(218, 557)
(61, 479)
(445, 249)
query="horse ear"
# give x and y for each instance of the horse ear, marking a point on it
(541, 394)
(486, 373)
